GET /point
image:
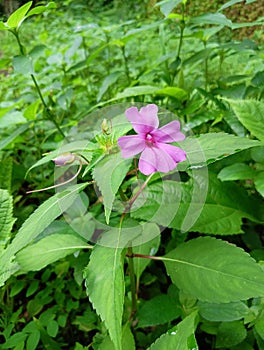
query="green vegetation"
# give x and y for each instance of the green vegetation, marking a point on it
(93, 253)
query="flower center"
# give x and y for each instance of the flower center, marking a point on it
(150, 139)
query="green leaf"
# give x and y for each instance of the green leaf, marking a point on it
(6, 171)
(180, 337)
(146, 248)
(76, 146)
(223, 312)
(259, 183)
(208, 148)
(166, 6)
(6, 218)
(104, 273)
(34, 225)
(23, 65)
(174, 92)
(211, 18)
(10, 138)
(3, 26)
(41, 9)
(205, 205)
(17, 17)
(107, 82)
(214, 271)
(158, 310)
(250, 113)
(230, 334)
(137, 91)
(49, 249)
(108, 174)
(128, 341)
(33, 340)
(237, 171)
(228, 4)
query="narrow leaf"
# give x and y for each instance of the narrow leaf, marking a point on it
(34, 225)
(17, 17)
(215, 271)
(109, 174)
(6, 217)
(259, 183)
(180, 337)
(104, 274)
(49, 249)
(205, 149)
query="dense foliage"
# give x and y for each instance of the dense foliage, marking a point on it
(117, 259)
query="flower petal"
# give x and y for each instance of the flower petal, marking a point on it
(176, 153)
(131, 145)
(155, 159)
(145, 120)
(169, 133)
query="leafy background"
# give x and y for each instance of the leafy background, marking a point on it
(198, 284)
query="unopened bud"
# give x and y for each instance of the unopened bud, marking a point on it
(64, 159)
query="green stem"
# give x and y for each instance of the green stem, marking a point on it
(132, 282)
(182, 28)
(126, 64)
(205, 69)
(48, 113)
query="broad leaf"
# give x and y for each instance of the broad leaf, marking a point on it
(109, 175)
(104, 274)
(204, 205)
(49, 249)
(208, 148)
(161, 309)
(23, 65)
(214, 271)
(223, 312)
(251, 114)
(230, 334)
(17, 17)
(180, 337)
(211, 18)
(237, 171)
(6, 217)
(34, 225)
(41, 9)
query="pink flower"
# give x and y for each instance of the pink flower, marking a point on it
(151, 142)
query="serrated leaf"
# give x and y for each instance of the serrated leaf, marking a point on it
(34, 225)
(17, 17)
(204, 205)
(223, 312)
(6, 217)
(214, 271)
(108, 174)
(6, 168)
(180, 337)
(104, 273)
(49, 249)
(251, 114)
(208, 148)
(237, 171)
